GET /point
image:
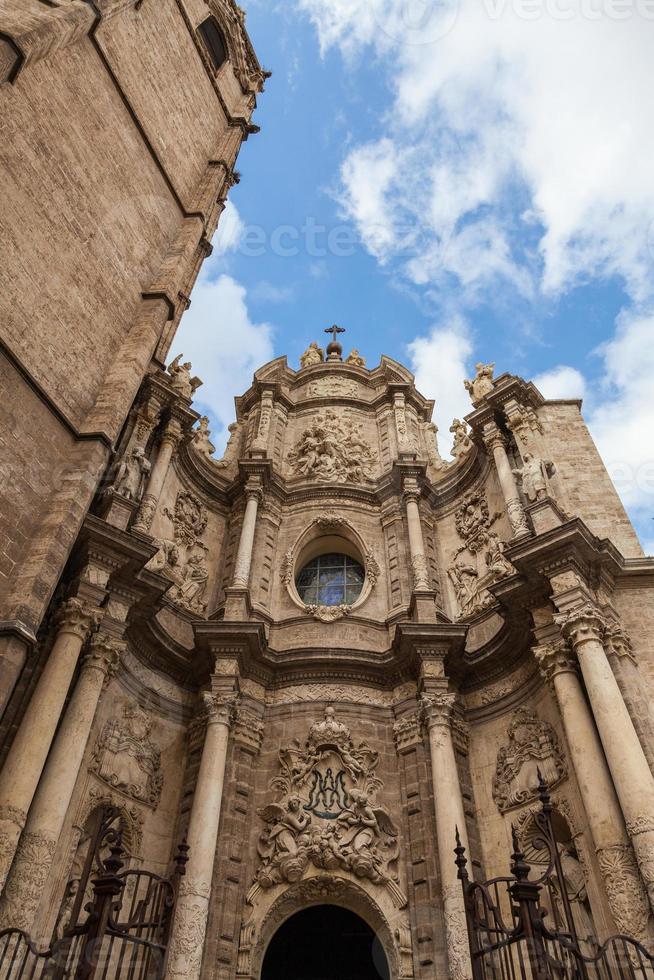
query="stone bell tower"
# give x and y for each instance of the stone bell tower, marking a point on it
(318, 656)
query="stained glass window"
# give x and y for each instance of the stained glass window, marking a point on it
(331, 580)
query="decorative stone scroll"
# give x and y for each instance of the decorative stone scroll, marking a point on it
(127, 759)
(532, 746)
(326, 814)
(333, 450)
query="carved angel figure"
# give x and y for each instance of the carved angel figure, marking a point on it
(482, 383)
(181, 381)
(284, 841)
(201, 438)
(364, 824)
(130, 474)
(534, 473)
(462, 441)
(312, 355)
(355, 358)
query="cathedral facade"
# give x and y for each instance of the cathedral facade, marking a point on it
(284, 679)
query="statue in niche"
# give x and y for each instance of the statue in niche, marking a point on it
(332, 449)
(462, 441)
(189, 591)
(534, 474)
(130, 473)
(481, 384)
(181, 381)
(201, 438)
(354, 357)
(127, 759)
(532, 746)
(312, 355)
(326, 814)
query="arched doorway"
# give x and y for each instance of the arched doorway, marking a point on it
(325, 942)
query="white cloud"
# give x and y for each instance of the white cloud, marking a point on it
(224, 345)
(561, 382)
(439, 362)
(230, 230)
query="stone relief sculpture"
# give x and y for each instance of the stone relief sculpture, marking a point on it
(190, 590)
(462, 441)
(329, 387)
(326, 814)
(534, 476)
(487, 563)
(201, 441)
(532, 745)
(481, 384)
(127, 759)
(312, 355)
(333, 449)
(184, 560)
(354, 357)
(129, 475)
(181, 381)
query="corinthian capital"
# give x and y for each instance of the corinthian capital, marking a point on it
(220, 708)
(172, 434)
(77, 617)
(493, 438)
(554, 658)
(104, 653)
(582, 625)
(437, 709)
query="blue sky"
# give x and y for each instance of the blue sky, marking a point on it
(450, 181)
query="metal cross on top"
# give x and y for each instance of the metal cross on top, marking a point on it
(334, 331)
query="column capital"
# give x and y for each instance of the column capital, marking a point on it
(77, 617)
(254, 491)
(617, 642)
(172, 433)
(437, 709)
(582, 624)
(220, 709)
(104, 653)
(411, 492)
(492, 436)
(555, 658)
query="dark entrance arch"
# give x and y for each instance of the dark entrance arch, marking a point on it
(325, 942)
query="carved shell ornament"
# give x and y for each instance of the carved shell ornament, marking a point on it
(332, 525)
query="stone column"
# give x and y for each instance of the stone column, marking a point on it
(167, 444)
(624, 889)
(241, 578)
(191, 913)
(494, 441)
(419, 566)
(632, 777)
(448, 803)
(47, 814)
(22, 769)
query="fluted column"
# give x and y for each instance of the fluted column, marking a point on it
(450, 814)
(167, 445)
(624, 888)
(243, 563)
(419, 566)
(191, 912)
(632, 777)
(47, 814)
(494, 441)
(22, 769)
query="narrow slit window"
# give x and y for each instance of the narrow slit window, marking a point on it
(214, 42)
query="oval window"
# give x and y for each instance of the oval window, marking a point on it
(330, 580)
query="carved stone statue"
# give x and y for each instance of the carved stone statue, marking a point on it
(201, 438)
(532, 745)
(189, 592)
(355, 358)
(130, 473)
(312, 355)
(333, 450)
(181, 381)
(166, 559)
(232, 447)
(464, 578)
(126, 758)
(430, 430)
(481, 384)
(534, 473)
(462, 441)
(498, 564)
(327, 815)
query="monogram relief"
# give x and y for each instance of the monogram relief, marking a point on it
(326, 814)
(532, 746)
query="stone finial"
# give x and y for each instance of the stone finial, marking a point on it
(481, 384)
(181, 381)
(312, 355)
(355, 358)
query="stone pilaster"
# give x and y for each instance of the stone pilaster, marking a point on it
(261, 440)
(632, 777)
(47, 814)
(626, 895)
(168, 442)
(24, 764)
(450, 815)
(191, 913)
(494, 442)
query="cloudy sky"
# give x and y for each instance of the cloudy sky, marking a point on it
(451, 181)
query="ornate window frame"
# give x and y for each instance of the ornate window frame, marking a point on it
(329, 533)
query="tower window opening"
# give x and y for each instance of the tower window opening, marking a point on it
(331, 580)
(214, 42)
